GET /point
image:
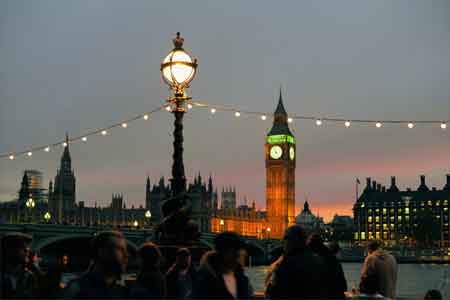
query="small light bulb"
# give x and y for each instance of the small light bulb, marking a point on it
(410, 125)
(84, 139)
(29, 153)
(104, 132)
(11, 157)
(443, 125)
(378, 124)
(213, 110)
(347, 124)
(290, 120)
(47, 149)
(168, 108)
(318, 122)
(237, 114)
(64, 144)
(145, 117)
(263, 117)
(189, 106)
(124, 125)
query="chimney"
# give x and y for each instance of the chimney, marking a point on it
(368, 182)
(392, 181)
(447, 185)
(422, 179)
(383, 189)
(374, 185)
(378, 187)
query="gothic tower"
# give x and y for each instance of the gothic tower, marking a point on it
(64, 186)
(280, 173)
(24, 192)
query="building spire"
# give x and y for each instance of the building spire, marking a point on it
(280, 107)
(280, 119)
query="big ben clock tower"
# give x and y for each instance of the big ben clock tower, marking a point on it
(280, 174)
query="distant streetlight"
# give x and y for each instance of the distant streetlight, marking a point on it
(47, 216)
(222, 225)
(136, 224)
(178, 70)
(268, 232)
(30, 203)
(148, 216)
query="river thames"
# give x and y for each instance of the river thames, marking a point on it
(412, 282)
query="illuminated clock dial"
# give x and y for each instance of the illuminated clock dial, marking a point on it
(276, 152)
(291, 153)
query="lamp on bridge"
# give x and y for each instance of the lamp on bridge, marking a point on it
(148, 216)
(178, 69)
(136, 224)
(30, 204)
(47, 217)
(268, 232)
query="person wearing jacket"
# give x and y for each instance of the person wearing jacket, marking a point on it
(301, 274)
(180, 276)
(379, 272)
(220, 275)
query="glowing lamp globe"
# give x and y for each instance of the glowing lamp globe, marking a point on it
(178, 68)
(148, 214)
(47, 216)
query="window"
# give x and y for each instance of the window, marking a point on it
(356, 235)
(399, 211)
(445, 208)
(406, 210)
(370, 210)
(369, 219)
(363, 205)
(430, 203)
(407, 218)
(399, 218)
(384, 226)
(384, 211)
(392, 219)
(392, 211)
(377, 210)
(438, 203)
(363, 235)
(415, 210)
(377, 219)
(377, 235)
(385, 236)
(445, 202)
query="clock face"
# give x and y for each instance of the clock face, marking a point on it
(291, 153)
(276, 152)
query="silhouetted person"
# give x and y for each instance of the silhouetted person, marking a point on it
(433, 295)
(52, 286)
(17, 280)
(379, 272)
(301, 273)
(150, 280)
(110, 260)
(220, 275)
(180, 276)
(335, 282)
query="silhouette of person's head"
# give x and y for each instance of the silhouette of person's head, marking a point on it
(294, 240)
(15, 248)
(183, 258)
(373, 246)
(228, 244)
(150, 255)
(109, 251)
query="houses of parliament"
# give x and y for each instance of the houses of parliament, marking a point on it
(58, 203)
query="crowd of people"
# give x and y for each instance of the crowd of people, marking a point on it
(307, 269)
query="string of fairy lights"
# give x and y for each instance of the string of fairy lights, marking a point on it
(213, 109)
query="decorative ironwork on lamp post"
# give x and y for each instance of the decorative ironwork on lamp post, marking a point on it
(178, 70)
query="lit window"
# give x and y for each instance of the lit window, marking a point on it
(430, 203)
(385, 236)
(407, 210)
(445, 202)
(392, 211)
(438, 202)
(377, 235)
(363, 205)
(356, 235)
(377, 219)
(369, 219)
(415, 210)
(445, 208)
(377, 210)
(392, 226)
(384, 211)
(422, 203)
(363, 235)
(370, 210)
(399, 211)
(384, 226)
(407, 218)
(399, 218)
(392, 219)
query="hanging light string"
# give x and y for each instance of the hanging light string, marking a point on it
(318, 119)
(103, 131)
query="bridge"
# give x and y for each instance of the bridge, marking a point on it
(50, 238)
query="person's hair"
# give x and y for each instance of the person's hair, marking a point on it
(433, 295)
(228, 240)
(373, 245)
(103, 240)
(334, 248)
(315, 243)
(183, 252)
(295, 239)
(149, 254)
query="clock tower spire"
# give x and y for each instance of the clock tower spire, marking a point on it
(280, 173)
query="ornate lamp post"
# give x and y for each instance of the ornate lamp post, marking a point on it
(178, 70)
(30, 204)
(47, 217)
(148, 216)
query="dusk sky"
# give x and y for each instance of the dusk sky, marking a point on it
(77, 65)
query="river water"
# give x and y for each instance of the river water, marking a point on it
(412, 282)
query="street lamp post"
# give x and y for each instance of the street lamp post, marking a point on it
(47, 217)
(178, 70)
(30, 204)
(148, 216)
